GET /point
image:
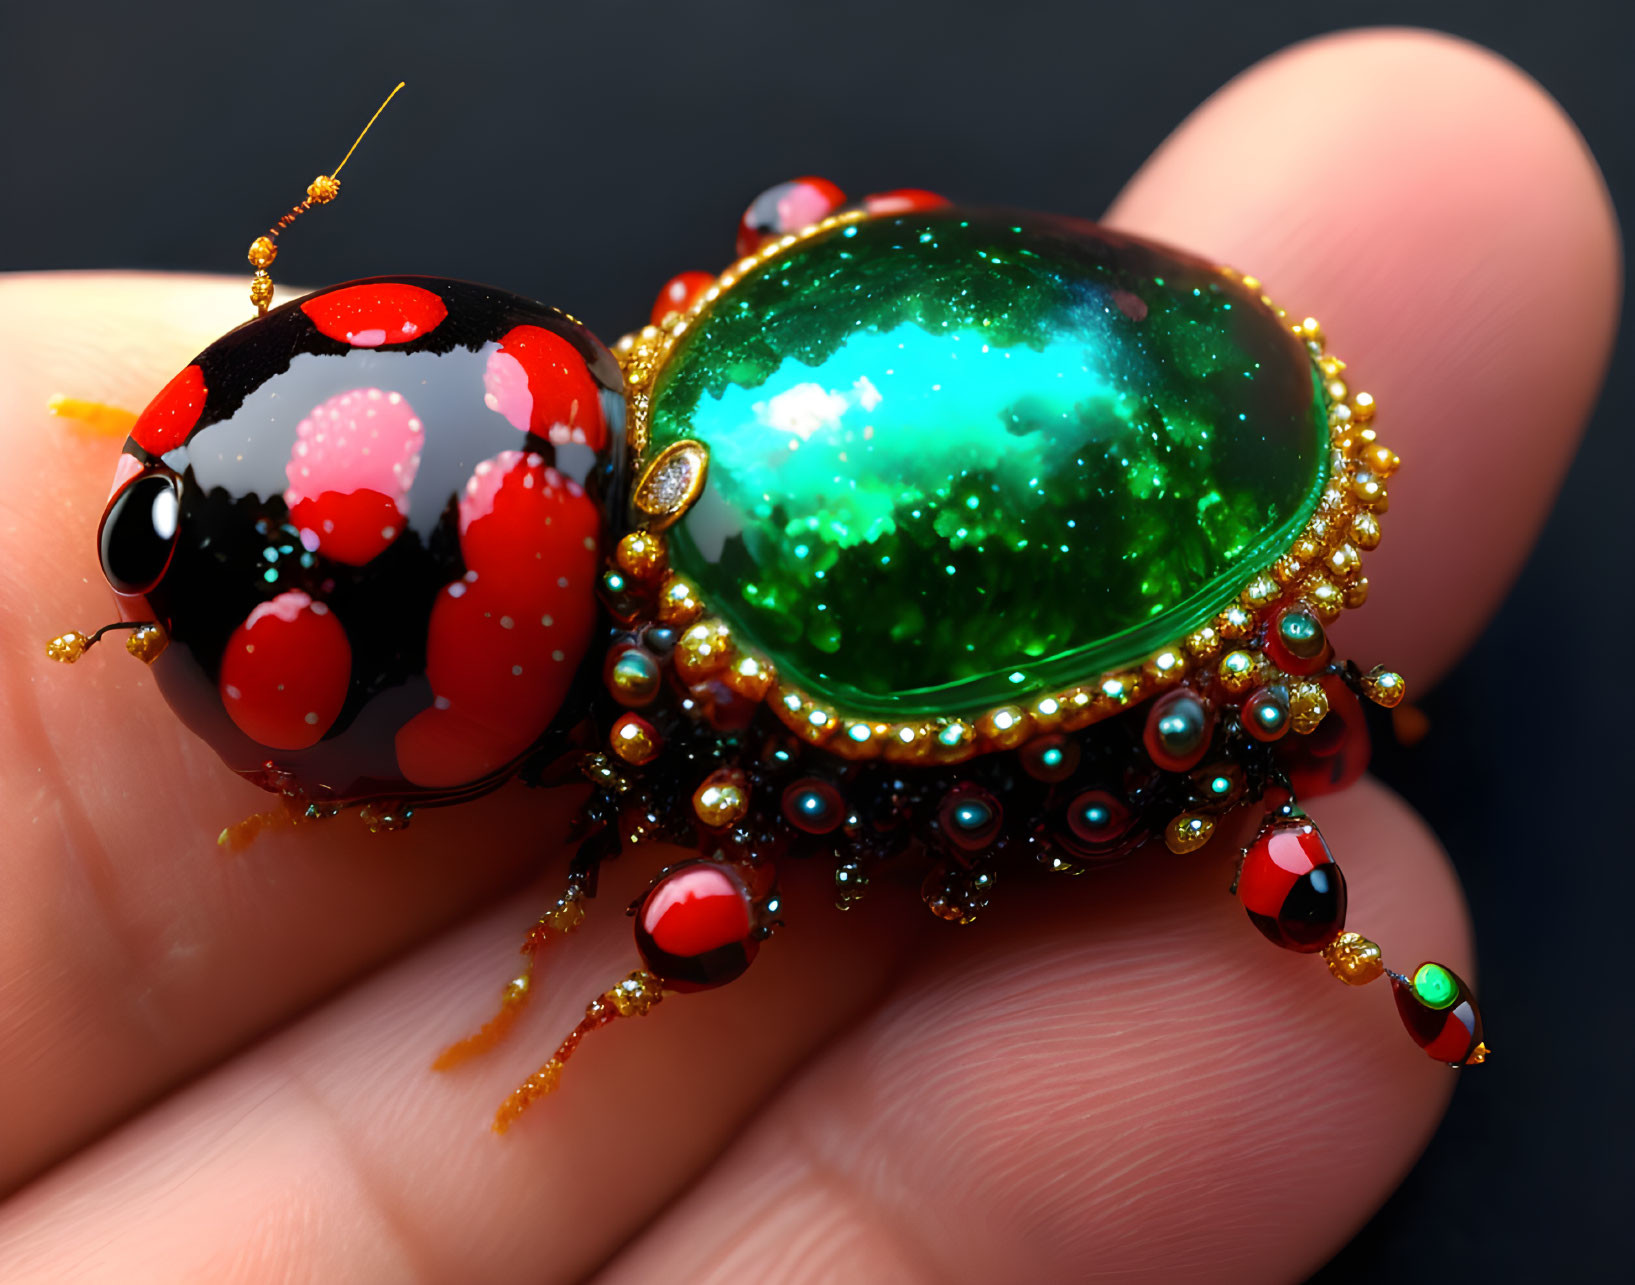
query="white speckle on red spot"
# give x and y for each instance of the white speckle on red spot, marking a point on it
(347, 480)
(520, 531)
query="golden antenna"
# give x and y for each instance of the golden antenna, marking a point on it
(321, 191)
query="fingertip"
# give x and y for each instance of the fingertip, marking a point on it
(1439, 212)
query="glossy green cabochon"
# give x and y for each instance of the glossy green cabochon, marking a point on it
(958, 457)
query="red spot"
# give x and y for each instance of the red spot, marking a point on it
(504, 642)
(351, 527)
(540, 383)
(903, 200)
(786, 208)
(680, 293)
(285, 673)
(694, 910)
(368, 316)
(170, 416)
(354, 459)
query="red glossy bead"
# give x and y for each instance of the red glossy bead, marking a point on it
(1095, 824)
(1440, 1014)
(1292, 889)
(1296, 641)
(695, 928)
(970, 818)
(903, 200)
(680, 293)
(1179, 727)
(786, 208)
(1266, 713)
(813, 806)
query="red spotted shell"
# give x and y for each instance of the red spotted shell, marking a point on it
(371, 524)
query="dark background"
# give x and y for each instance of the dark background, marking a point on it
(582, 154)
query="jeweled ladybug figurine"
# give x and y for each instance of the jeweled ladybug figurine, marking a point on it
(993, 541)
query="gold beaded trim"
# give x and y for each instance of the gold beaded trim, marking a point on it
(1322, 568)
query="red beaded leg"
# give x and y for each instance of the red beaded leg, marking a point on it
(1295, 894)
(699, 927)
(561, 919)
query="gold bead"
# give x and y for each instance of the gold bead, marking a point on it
(632, 677)
(263, 250)
(635, 995)
(1205, 644)
(1308, 707)
(705, 648)
(1356, 593)
(1262, 591)
(1325, 598)
(323, 189)
(751, 677)
(1365, 531)
(1006, 727)
(1165, 667)
(722, 799)
(1370, 489)
(634, 739)
(1380, 459)
(642, 554)
(679, 604)
(1238, 671)
(1344, 562)
(68, 648)
(1384, 687)
(1235, 622)
(1310, 331)
(1362, 406)
(146, 643)
(1188, 832)
(1354, 959)
(261, 289)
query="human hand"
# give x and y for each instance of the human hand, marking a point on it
(1112, 1076)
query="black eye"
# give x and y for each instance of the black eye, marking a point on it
(139, 532)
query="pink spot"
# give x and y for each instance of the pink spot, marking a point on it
(354, 460)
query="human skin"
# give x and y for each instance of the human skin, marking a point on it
(216, 1068)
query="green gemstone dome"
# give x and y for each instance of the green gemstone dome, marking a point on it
(960, 457)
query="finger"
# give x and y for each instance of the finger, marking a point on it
(132, 951)
(331, 1150)
(1127, 1082)
(1443, 219)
